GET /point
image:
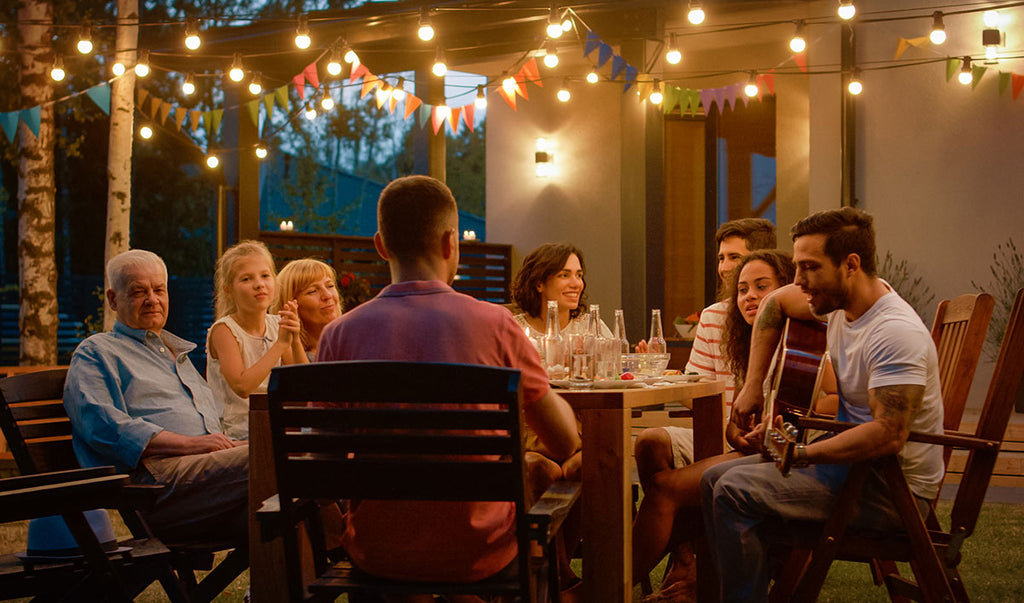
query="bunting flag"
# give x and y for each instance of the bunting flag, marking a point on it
(509, 98)
(603, 54)
(193, 119)
(693, 101)
(672, 95)
(268, 105)
(719, 95)
(618, 66)
(392, 103)
(213, 131)
(977, 71)
(769, 81)
(731, 93)
(254, 111)
(370, 82)
(100, 94)
(9, 121)
(904, 43)
(1004, 82)
(952, 66)
(311, 75)
(179, 117)
(299, 81)
(643, 89)
(631, 73)
(165, 110)
(436, 119)
(140, 96)
(154, 107)
(358, 71)
(412, 102)
(530, 72)
(206, 120)
(468, 115)
(423, 115)
(521, 85)
(31, 117)
(1016, 83)
(801, 61)
(281, 96)
(593, 42)
(453, 119)
(380, 97)
(706, 98)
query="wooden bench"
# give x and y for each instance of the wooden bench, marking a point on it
(6, 458)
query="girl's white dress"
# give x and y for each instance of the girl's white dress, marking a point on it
(235, 409)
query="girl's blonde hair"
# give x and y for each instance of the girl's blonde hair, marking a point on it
(295, 277)
(224, 302)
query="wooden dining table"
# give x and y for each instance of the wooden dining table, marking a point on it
(606, 415)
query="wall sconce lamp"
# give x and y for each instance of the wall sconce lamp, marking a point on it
(544, 159)
(992, 39)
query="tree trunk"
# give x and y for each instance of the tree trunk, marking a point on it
(37, 271)
(122, 133)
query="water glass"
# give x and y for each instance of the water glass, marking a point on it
(581, 361)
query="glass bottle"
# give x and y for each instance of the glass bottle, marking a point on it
(620, 332)
(554, 347)
(606, 350)
(656, 342)
(582, 350)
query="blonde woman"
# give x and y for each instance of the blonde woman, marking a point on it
(312, 286)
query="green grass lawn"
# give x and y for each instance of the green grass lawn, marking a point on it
(993, 561)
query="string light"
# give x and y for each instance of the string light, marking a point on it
(656, 96)
(966, 74)
(797, 43)
(938, 35)
(57, 72)
(383, 94)
(990, 18)
(444, 112)
(592, 77)
(302, 39)
(117, 68)
(673, 55)
(334, 65)
(256, 85)
(481, 98)
(146, 132)
(509, 85)
(212, 161)
(192, 40)
(563, 93)
(349, 55)
(310, 112)
(440, 66)
(399, 92)
(846, 10)
(261, 151)
(695, 14)
(551, 57)
(327, 102)
(142, 66)
(854, 86)
(188, 87)
(554, 29)
(751, 88)
(426, 29)
(85, 40)
(236, 73)
(567, 22)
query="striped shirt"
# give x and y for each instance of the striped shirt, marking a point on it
(707, 357)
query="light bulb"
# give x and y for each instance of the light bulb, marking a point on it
(255, 86)
(991, 54)
(350, 55)
(751, 88)
(554, 29)
(117, 68)
(592, 77)
(188, 87)
(563, 93)
(302, 39)
(192, 40)
(399, 92)
(440, 67)
(481, 98)
(846, 10)
(695, 14)
(310, 112)
(938, 35)
(444, 112)
(567, 23)
(334, 65)
(551, 58)
(142, 66)
(797, 43)
(212, 162)
(656, 96)
(327, 102)
(261, 152)
(146, 132)
(509, 85)
(854, 86)
(57, 72)
(383, 94)
(85, 41)
(236, 73)
(990, 18)
(673, 56)
(966, 75)
(426, 29)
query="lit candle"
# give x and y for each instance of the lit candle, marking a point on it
(283, 225)
(468, 235)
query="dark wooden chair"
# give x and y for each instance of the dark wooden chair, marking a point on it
(38, 432)
(933, 553)
(96, 575)
(384, 431)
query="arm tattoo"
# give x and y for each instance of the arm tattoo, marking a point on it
(897, 404)
(771, 316)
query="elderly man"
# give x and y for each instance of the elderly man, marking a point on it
(137, 402)
(419, 317)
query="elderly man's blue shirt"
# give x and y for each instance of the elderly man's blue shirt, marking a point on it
(123, 387)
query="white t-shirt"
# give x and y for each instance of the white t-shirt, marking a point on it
(707, 357)
(235, 419)
(889, 345)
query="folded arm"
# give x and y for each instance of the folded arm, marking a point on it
(552, 420)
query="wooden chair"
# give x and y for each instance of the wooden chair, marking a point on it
(97, 575)
(38, 432)
(933, 553)
(383, 431)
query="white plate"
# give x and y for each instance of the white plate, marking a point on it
(681, 378)
(560, 383)
(618, 384)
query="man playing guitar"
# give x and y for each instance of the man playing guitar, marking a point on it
(887, 372)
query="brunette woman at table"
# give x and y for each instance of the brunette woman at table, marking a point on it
(669, 514)
(312, 285)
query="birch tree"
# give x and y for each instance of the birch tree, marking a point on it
(37, 271)
(122, 128)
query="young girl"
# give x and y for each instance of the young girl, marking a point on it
(246, 342)
(312, 285)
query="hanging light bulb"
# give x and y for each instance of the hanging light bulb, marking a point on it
(854, 86)
(444, 112)
(117, 68)
(440, 66)
(236, 73)
(990, 18)
(57, 72)
(966, 74)
(192, 40)
(256, 85)
(302, 39)
(695, 14)
(481, 98)
(938, 35)
(399, 92)
(673, 55)
(426, 29)
(334, 64)
(554, 29)
(563, 93)
(798, 43)
(991, 54)
(508, 84)
(188, 87)
(567, 21)
(142, 66)
(656, 95)
(146, 132)
(751, 88)
(383, 94)
(85, 40)
(846, 10)
(551, 58)
(991, 39)
(261, 151)
(212, 161)
(327, 102)
(349, 55)
(310, 112)
(592, 77)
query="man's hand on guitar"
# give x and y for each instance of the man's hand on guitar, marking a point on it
(746, 408)
(750, 442)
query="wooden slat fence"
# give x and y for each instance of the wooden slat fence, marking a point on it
(485, 269)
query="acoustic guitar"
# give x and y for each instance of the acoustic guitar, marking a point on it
(797, 369)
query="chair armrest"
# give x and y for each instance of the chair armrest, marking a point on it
(546, 516)
(54, 477)
(58, 498)
(141, 497)
(273, 521)
(954, 439)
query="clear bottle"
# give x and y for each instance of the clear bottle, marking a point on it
(554, 346)
(582, 351)
(620, 332)
(606, 350)
(656, 342)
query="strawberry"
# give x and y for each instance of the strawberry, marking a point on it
(627, 376)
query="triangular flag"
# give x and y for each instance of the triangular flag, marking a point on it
(631, 73)
(9, 121)
(154, 107)
(411, 103)
(268, 104)
(369, 83)
(643, 89)
(453, 119)
(801, 61)
(424, 114)
(100, 94)
(509, 98)
(731, 93)
(468, 115)
(901, 46)
(299, 81)
(193, 119)
(530, 72)
(392, 103)
(719, 94)
(707, 98)
(671, 94)
(358, 71)
(31, 118)
(977, 72)
(952, 66)
(179, 117)
(1017, 82)
(254, 111)
(437, 119)
(1004, 82)
(140, 97)
(693, 100)
(281, 96)
(311, 75)
(165, 110)
(593, 41)
(618, 66)
(215, 116)
(380, 97)
(206, 122)
(604, 52)
(769, 81)
(919, 41)
(521, 85)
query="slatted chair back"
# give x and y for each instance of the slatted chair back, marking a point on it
(35, 423)
(399, 431)
(959, 331)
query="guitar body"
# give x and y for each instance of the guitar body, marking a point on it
(796, 382)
